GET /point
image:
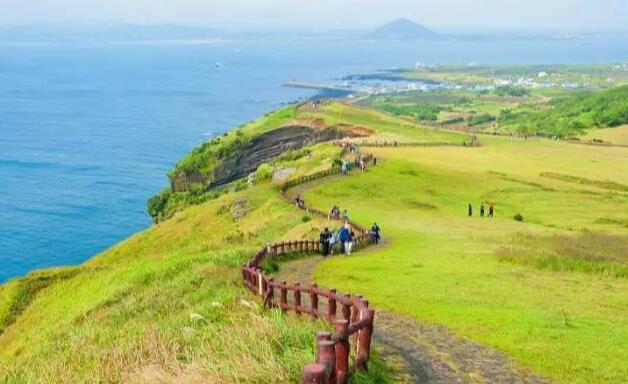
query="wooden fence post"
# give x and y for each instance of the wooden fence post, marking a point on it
(364, 341)
(331, 306)
(260, 282)
(283, 300)
(313, 374)
(269, 300)
(326, 355)
(297, 298)
(342, 351)
(314, 299)
(346, 308)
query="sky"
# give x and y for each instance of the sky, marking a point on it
(331, 14)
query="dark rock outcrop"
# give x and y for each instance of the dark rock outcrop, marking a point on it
(269, 145)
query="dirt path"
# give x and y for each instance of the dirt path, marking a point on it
(422, 353)
(418, 352)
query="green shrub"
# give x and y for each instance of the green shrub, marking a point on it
(511, 90)
(518, 217)
(264, 172)
(480, 119)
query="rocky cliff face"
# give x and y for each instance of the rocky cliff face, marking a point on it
(267, 146)
(263, 149)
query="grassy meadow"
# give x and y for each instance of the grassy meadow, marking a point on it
(166, 305)
(549, 290)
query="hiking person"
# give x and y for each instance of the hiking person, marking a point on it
(345, 167)
(491, 210)
(375, 236)
(482, 210)
(343, 235)
(345, 215)
(333, 239)
(349, 242)
(362, 165)
(324, 240)
(374, 160)
(470, 210)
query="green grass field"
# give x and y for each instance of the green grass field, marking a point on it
(167, 305)
(549, 291)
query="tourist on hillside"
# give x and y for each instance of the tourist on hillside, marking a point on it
(345, 167)
(375, 233)
(349, 242)
(362, 165)
(374, 160)
(335, 213)
(324, 240)
(482, 210)
(343, 236)
(345, 215)
(491, 210)
(470, 209)
(333, 239)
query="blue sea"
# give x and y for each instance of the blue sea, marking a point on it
(89, 130)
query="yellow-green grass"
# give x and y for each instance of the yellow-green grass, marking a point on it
(550, 291)
(385, 126)
(166, 305)
(617, 135)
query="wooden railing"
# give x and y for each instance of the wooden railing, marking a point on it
(350, 315)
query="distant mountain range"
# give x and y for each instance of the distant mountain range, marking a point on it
(401, 29)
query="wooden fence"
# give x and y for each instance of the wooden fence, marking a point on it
(350, 315)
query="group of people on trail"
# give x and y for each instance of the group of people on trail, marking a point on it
(491, 210)
(343, 236)
(299, 201)
(336, 215)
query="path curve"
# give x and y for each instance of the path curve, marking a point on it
(419, 352)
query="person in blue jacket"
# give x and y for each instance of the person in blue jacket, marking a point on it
(343, 236)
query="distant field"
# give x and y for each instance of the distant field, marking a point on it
(549, 291)
(617, 135)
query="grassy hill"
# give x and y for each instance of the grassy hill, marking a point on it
(571, 115)
(167, 304)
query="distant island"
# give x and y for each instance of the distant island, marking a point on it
(401, 29)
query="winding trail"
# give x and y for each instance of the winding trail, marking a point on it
(418, 352)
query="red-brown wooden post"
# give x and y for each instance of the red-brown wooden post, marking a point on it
(269, 300)
(326, 355)
(301, 246)
(297, 297)
(283, 243)
(355, 313)
(314, 299)
(342, 351)
(364, 341)
(313, 374)
(331, 306)
(346, 308)
(283, 300)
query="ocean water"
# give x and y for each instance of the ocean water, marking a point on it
(88, 131)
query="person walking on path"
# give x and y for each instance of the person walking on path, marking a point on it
(482, 210)
(491, 210)
(375, 236)
(349, 242)
(362, 165)
(470, 210)
(374, 160)
(333, 239)
(345, 215)
(324, 240)
(343, 236)
(345, 167)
